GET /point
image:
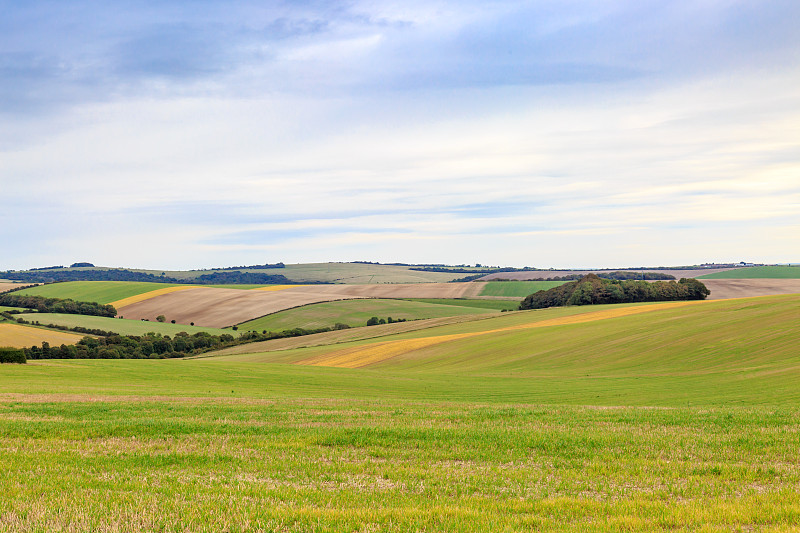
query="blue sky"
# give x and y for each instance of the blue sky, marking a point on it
(565, 133)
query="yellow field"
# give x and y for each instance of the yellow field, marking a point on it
(16, 336)
(361, 356)
(147, 295)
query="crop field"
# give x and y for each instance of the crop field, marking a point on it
(212, 307)
(761, 272)
(7, 286)
(353, 273)
(102, 292)
(117, 325)
(658, 417)
(19, 336)
(518, 289)
(355, 313)
(743, 288)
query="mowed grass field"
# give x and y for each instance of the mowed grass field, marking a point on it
(614, 418)
(518, 289)
(117, 325)
(355, 313)
(765, 272)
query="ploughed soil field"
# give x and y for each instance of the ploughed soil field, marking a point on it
(549, 274)
(214, 307)
(722, 289)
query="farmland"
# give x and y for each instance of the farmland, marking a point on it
(18, 336)
(518, 289)
(631, 417)
(103, 292)
(760, 272)
(117, 325)
(355, 313)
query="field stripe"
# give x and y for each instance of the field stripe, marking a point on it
(361, 356)
(151, 294)
(277, 287)
(16, 336)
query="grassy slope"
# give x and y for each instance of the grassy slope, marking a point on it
(102, 292)
(517, 288)
(763, 272)
(712, 352)
(421, 444)
(354, 313)
(117, 325)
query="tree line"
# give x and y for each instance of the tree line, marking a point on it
(591, 289)
(155, 345)
(56, 305)
(121, 274)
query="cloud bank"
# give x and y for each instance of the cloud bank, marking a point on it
(175, 135)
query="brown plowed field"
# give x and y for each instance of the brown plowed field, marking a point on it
(213, 307)
(7, 286)
(722, 289)
(548, 274)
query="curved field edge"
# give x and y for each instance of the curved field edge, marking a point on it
(116, 325)
(355, 313)
(102, 292)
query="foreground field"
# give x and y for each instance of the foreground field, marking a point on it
(666, 417)
(355, 465)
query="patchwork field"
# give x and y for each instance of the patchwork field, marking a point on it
(660, 417)
(18, 336)
(117, 325)
(212, 307)
(356, 313)
(102, 292)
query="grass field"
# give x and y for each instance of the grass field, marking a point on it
(519, 289)
(103, 292)
(767, 272)
(356, 313)
(616, 418)
(4, 308)
(121, 326)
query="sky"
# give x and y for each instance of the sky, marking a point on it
(565, 133)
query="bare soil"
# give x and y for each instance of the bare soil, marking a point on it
(214, 307)
(722, 289)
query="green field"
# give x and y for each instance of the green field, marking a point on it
(672, 419)
(4, 308)
(103, 292)
(765, 272)
(117, 325)
(355, 313)
(497, 305)
(519, 289)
